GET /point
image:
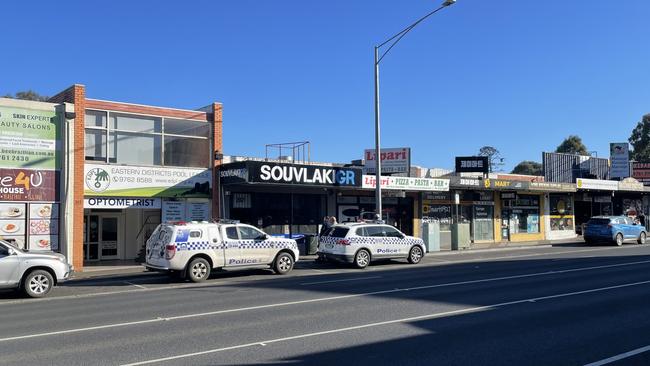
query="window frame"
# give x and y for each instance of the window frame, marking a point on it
(108, 131)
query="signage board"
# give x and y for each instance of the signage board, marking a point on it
(292, 174)
(598, 184)
(121, 202)
(28, 185)
(630, 184)
(29, 138)
(641, 172)
(472, 164)
(173, 211)
(393, 160)
(407, 183)
(552, 187)
(619, 155)
(456, 181)
(502, 184)
(140, 181)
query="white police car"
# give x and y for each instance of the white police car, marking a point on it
(361, 243)
(194, 249)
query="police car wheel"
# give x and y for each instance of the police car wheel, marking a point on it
(283, 263)
(198, 270)
(362, 259)
(415, 255)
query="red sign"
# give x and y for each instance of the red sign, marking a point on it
(28, 185)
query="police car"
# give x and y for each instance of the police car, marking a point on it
(194, 249)
(361, 243)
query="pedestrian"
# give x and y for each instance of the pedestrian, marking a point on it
(326, 225)
(333, 221)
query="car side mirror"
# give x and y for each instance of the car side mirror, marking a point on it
(12, 252)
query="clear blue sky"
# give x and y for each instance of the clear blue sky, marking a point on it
(518, 75)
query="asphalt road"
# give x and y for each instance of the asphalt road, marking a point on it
(543, 306)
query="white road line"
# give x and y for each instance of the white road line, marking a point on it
(344, 280)
(136, 285)
(620, 357)
(172, 287)
(389, 322)
(320, 299)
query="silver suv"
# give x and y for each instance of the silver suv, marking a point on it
(35, 273)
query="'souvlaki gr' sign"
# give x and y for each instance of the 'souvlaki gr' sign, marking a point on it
(300, 174)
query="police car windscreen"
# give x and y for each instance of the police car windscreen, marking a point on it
(337, 232)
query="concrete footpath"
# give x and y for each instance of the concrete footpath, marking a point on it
(129, 269)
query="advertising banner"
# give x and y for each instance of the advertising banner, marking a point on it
(138, 181)
(619, 156)
(552, 187)
(173, 211)
(407, 183)
(501, 184)
(28, 185)
(394, 160)
(29, 138)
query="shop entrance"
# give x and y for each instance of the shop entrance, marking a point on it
(505, 225)
(102, 239)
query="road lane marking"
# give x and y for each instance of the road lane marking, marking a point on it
(389, 322)
(136, 285)
(320, 299)
(343, 280)
(620, 357)
(207, 285)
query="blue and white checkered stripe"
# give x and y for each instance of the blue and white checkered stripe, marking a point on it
(241, 244)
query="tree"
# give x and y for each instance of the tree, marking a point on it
(640, 140)
(528, 167)
(495, 161)
(572, 145)
(28, 95)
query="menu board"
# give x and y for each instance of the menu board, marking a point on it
(12, 222)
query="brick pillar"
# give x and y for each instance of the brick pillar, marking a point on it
(76, 94)
(217, 147)
(79, 159)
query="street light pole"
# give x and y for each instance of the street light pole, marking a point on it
(394, 39)
(377, 140)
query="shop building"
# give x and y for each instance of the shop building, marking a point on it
(97, 176)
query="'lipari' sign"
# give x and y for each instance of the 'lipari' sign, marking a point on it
(394, 160)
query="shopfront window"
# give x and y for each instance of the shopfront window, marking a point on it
(186, 151)
(524, 214)
(561, 210)
(440, 212)
(145, 140)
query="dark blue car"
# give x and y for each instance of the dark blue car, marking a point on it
(616, 229)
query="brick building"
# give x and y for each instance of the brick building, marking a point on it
(112, 172)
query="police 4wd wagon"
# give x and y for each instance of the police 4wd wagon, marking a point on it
(361, 243)
(194, 249)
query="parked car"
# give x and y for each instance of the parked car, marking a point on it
(194, 249)
(361, 243)
(616, 229)
(35, 273)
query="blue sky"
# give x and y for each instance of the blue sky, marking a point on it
(517, 75)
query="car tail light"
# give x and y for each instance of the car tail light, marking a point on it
(170, 251)
(343, 242)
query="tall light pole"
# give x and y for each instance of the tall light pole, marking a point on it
(393, 41)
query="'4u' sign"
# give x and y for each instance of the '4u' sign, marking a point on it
(28, 185)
